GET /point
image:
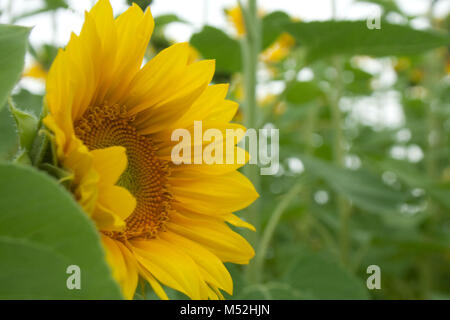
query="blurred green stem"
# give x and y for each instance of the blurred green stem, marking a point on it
(339, 159)
(270, 229)
(434, 70)
(250, 51)
(339, 153)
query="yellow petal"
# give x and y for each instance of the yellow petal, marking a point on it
(212, 269)
(223, 194)
(188, 89)
(238, 222)
(214, 235)
(123, 264)
(170, 266)
(110, 163)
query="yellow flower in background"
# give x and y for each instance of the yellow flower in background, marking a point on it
(112, 122)
(36, 71)
(279, 50)
(236, 18)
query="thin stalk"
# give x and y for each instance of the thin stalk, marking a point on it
(339, 154)
(250, 51)
(251, 45)
(270, 229)
(339, 159)
(434, 65)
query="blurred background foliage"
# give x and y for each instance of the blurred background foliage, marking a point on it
(364, 122)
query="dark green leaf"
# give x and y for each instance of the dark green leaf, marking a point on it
(42, 232)
(354, 38)
(273, 25)
(213, 43)
(13, 45)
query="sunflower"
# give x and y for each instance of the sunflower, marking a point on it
(236, 18)
(112, 120)
(36, 71)
(278, 50)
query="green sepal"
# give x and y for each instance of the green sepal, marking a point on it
(22, 157)
(27, 125)
(64, 177)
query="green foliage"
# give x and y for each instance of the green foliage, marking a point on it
(359, 186)
(213, 43)
(354, 38)
(165, 19)
(272, 26)
(13, 45)
(319, 276)
(300, 92)
(42, 232)
(27, 126)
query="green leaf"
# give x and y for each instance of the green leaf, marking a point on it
(29, 102)
(354, 38)
(27, 126)
(416, 179)
(143, 4)
(319, 276)
(42, 232)
(213, 43)
(273, 26)
(271, 291)
(165, 19)
(361, 187)
(8, 135)
(301, 92)
(13, 45)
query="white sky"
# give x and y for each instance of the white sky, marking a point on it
(198, 13)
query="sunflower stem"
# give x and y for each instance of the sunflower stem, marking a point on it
(250, 51)
(270, 229)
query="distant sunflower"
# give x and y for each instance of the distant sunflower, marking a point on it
(280, 49)
(36, 71)
(236, 18)
(112, 121)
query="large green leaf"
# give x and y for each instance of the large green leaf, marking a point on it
(319, 276)
(213, 43)
(361, 187)
(354, 38)
(273, 26)
(13, 45)
(42, 232)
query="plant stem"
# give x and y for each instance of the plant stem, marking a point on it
(250, 52)
(270, 229)
(339, 153)
(339, 159)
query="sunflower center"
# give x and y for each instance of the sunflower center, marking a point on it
(145, 176)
